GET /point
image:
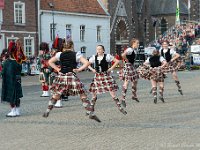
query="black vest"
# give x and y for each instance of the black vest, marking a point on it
(131, 58)
(103, 66)
(155, 61)
(166, 55)
(68, 61)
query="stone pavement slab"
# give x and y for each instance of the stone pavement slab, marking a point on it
(174, 125)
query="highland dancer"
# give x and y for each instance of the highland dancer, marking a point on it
(44, 69)
(103, 81)
(67, 82)
(154, 65)
(129, 73)
(174, 63)
(11, 78)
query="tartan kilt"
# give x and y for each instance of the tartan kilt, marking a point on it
(102, 83)
(143, 72)
(67, 84)
(157, 74)
(174, 66)
(129, 73)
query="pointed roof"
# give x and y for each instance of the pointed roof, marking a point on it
(139, 4)
(160, 7)
(74, 6)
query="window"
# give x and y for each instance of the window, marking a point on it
(29, 46)
(52, 31)
(68, 32)
(83, 51)
(19, 13)
(1, 16)
(98, 33)
(82, 33)
(11, 39)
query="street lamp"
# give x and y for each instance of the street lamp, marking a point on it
(51, 5)
(0, 28)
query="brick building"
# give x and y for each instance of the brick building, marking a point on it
(128, 19)
(165, 12)
(19, 20)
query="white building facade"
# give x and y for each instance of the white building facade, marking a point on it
(86, 30)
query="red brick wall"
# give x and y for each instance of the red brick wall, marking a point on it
(30, 20)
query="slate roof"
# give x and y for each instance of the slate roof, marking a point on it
(139, 4)
(161, 7)
(74, 6)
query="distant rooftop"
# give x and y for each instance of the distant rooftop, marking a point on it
(75, 6)
(163, 7)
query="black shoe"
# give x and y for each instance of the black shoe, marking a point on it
(136, 99)
(46, 114)
(123, 103)
(64, 98)
(150, 92)
(94, 117)
(180, 91)
(162, 99)
(87, 113)
(122, 111)
(155, 100)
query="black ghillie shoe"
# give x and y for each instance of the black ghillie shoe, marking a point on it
(46, 114)
(136, 99)
(150, 92)
(123, 103)
(180, 91)
(122, 111)
(94, 117)
(155, 100)
(162, 99)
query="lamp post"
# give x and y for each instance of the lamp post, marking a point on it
(51, 5)
(0, 30)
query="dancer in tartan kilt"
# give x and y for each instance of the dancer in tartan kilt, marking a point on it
(67, 82)
(154, 66)
(56, 47)
(129, 72)
(174, 62)
(103, 81)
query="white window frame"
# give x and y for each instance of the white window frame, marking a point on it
(10, 38)
(82, 33)
(99, 33)
(1, 16)
(52, 28)
(32, 46)
(23, 13)
(69, 28)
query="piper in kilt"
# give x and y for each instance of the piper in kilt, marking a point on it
(103, 81)
(67, 82)
(44, 69)
(174, 62)
(129, 72)
(11, 78)
(155, 64)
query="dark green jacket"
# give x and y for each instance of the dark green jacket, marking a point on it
(11, 81)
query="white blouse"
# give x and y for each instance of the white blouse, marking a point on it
(78, 56)
(109, 58)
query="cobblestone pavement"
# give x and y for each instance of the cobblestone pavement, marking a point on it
(174, 125)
